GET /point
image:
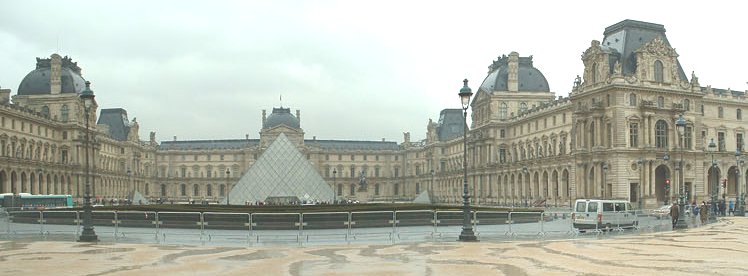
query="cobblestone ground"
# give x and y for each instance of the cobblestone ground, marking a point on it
(716, 249)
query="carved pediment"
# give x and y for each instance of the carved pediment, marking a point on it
(657, 47)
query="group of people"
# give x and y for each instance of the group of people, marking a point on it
(702, 210)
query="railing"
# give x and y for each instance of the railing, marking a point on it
(232, 229)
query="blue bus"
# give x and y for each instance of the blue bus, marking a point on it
(33, 202)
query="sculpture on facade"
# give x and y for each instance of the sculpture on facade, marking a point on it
(362, 181)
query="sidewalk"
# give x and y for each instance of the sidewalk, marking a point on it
(713, 249)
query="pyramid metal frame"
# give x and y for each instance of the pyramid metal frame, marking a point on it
(282, 171)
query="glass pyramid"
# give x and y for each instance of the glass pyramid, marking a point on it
(281, 173)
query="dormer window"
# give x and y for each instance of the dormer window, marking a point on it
(658, 74)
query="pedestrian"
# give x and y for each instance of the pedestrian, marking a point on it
(674, 214)
(732, 207)
(702, 212)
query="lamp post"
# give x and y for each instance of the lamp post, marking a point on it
(334, 185)
(467, 233)
(666, 158)
(739, 209)
(680, 124)
(715, 184)
(88, 234)
(228, 187)
(131, 192)
(605, 184)
(525, 178)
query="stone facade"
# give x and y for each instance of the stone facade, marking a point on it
(608, 139)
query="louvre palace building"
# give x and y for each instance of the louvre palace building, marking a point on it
(615, 136)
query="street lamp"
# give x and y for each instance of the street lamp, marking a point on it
(680, 124)
(431, 189)
(712, 214)
(526, 179)
(131, 192)
(228, 187)
(88, 234)
(739, 209)
(605, 171)
(467, 233)
(334, 185)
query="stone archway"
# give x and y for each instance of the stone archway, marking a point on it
(662, 173)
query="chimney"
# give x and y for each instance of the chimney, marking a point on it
(55, 76)
(314, 138)
(246, 136)
(264, 116)
(4, 96)
(175, 138)
(513, 78)
(298, 116)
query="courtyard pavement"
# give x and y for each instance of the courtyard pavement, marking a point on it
(715, 249)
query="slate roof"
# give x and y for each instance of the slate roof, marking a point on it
(627, 36)
(209, 144)
(451, 124)
(530, 78)
(37, 81)
(353, 145)
(281, 116)
(116, 119)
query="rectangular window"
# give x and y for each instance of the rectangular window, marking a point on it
(222, 157)
(688, 137)
(634, 135)
(502, 155)
(739, 142)
(721, 140)
(376, 172)
(353, 157)
(397, 172)
(340, 157)
(502, 133)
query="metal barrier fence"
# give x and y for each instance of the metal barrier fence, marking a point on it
(234, 229)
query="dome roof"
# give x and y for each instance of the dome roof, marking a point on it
(37, 82)
(530, 79)
(281, 116)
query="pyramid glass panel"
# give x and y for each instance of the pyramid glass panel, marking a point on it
(282, 174)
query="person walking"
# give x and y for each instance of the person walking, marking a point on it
(674, 214)
(732, 207)
(703, 212)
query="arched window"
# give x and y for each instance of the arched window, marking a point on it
(195, 190)
(661, 135)
(660, 101)
(593, 74)
(632, 99)
(687, 105)
(502, 110)
(522, 107)
(45, 111)
(721, 112)
(658, 71)
(64, 113)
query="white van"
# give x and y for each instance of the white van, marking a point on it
(603, 214)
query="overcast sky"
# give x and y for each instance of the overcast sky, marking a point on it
(357, 70)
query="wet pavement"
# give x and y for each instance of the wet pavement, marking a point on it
(718, 248)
